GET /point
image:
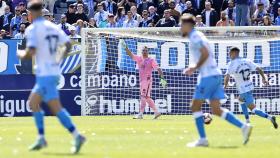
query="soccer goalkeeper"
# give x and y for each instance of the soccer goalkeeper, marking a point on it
(146, 66)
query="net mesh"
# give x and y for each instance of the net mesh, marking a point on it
(110, 82)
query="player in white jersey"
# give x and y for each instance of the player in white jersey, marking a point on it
(209, 84)
(42, 41)
(240, 69)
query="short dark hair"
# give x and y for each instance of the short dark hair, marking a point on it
(188, 18)
(234, 49)
(36, 6)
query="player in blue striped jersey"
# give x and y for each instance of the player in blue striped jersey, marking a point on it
(240, 69)
(42, 41)
(209, 84)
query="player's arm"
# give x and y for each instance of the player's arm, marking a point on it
(203, 57)
(27, 53)
(226, 80)
(163, 81)
(260, 71)
(128, 52)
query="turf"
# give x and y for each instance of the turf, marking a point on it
(123, 137)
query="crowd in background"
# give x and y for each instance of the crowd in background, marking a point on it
(78, 14)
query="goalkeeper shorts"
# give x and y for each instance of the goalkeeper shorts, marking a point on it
(145, 87)
(46, 87)
(210, 88)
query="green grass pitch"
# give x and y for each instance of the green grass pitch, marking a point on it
(123, 137)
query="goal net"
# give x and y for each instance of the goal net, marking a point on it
(110, 82)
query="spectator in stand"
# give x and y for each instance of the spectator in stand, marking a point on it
(135, 15)
(259, 14)
(85, 6)
(101, 16)
(275, 8)
(266, 21)
(181, 6)
(144, 5)
(2, 7)
(92, 23)
(127, 4)
(198, 21)
(242, 10)
(20, 35)
(145, 19)
(199, 5)
(130, 22)
(49, 4)
(4, 34)
(111, 7)
(164, 5)
(70, 14)
(167, 20)
(230, 10)
(73, 34)
(24, 19)
(190, 9)
(209, 15)
(111, 21)
(174, 13)
(277, 19)
(266, 4)
(80, 14)
(49, 17)
(224, 21)
(153, 15)
(64, 25)
(120, 17)
(15, 22)
(22, 7)
(5, 19)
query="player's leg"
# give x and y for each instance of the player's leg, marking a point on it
(199, 123)
(244, 107)
(52, 99)
(150, 101)
(216, 95)
(143, 100)
(34, 103)
(263, 114)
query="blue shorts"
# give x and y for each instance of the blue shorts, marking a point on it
(247, 98)
(210, 88)
(46, 87)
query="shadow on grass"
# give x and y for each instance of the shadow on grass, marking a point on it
(61, 154)
(225, 147)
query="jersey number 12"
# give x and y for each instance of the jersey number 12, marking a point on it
(245, 74)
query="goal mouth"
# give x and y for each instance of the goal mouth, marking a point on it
(110, 82)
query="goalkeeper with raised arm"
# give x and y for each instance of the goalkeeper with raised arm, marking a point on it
(240, 69)
(146, 66)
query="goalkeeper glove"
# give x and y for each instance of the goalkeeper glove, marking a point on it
(163, 82)
(123, 43)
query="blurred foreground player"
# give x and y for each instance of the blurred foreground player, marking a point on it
(43, 39)
(240, 69)
(209, 84)
(146, 66)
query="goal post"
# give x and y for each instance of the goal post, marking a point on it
(110, 82)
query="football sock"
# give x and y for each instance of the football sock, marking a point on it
(152, 104)
(199, 122)
(142, 104)
(65, 120)
(245, 111)
(260, 113)
(39, 121)
(230, 117)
